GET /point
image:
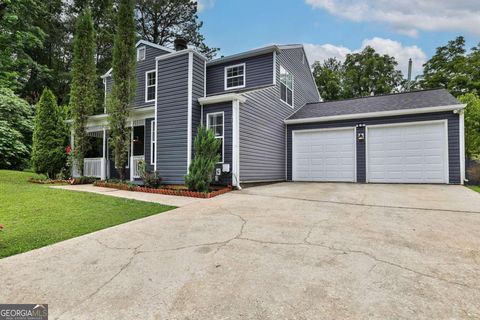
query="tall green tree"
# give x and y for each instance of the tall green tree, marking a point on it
(328, 77)
(472, 124)
(19, 34)
(16, 126)
(449, 68)
(83, 90)
(161, 22)
(369, 73)
(123, 73)
(48, 154)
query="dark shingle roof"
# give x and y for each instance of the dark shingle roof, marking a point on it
(388, 102)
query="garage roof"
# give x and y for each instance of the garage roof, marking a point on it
(407, 101)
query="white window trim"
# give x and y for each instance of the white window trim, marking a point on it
(144, 48)
(147, 86)
(223, 131)
(244, 76)
(293, 87)
(153, 141)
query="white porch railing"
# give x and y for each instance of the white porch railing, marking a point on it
(93, 167)
(134, 168)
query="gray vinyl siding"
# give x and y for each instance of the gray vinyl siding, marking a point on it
(198, 91)
(226, 107)
(259, 72)
(172, 115)
(262, 130)
(453, 139)
(141, 68)
(262, 136)
(148, 140)
(304, 88)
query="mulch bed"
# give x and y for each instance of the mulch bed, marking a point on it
(73, 181)
(166, 190)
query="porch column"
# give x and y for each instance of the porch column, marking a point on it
(103, 174)
(131, 151)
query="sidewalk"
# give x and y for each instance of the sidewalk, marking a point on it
(176, 201)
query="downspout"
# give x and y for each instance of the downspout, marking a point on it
(236, 144)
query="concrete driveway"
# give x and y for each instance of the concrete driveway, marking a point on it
(283, 251)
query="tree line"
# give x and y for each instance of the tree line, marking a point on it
(366, 73)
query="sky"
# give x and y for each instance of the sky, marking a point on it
(333, 28)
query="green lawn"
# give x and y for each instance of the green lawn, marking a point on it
(475, 188)
(35, 215)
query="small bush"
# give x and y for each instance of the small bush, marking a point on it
(201, 169)
(85, 180)
(473, 172)
(150, 179)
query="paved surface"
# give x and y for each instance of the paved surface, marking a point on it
(328, 251)
(176, 201)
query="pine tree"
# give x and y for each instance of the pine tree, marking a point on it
(48, 154)
(202, 167)
(83, 91)
(123, 90)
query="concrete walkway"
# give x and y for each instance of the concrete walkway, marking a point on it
(176, 201)
(285, 251)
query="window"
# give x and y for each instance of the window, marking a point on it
(235, 76)
(150, 81)
(286, 86)
(141, 53)
(215, 122)
(153, 140)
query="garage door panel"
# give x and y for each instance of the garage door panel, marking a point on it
(411, 153)
(331, 155)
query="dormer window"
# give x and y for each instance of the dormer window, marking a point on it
(141, 53)
(286, 86)
(235, 76)
(150, 82)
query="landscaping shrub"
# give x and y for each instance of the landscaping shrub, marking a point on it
(48, 154)
(150, 179)
(473, 172)
(85, 180)
(201, 169)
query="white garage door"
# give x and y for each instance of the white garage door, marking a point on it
(408, 153)
(324, 155)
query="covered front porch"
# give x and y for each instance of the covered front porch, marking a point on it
(100, 162)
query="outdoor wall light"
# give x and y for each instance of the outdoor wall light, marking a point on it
(361, 136)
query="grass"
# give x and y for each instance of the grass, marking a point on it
(35, 215)
(475, 188)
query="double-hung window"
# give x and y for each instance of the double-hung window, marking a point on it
(216, 123)
(150, 81)
(153, 141)
(286, 86)
(235, 76)
(141, 53)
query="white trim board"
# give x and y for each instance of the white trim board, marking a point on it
(377, 114)
(189, 112)
(222, 98)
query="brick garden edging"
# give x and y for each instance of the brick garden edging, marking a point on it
(170, 192)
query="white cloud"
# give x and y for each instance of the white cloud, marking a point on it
(409, 16)
(205, 4)
(316, 52)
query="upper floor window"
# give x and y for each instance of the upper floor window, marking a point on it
(235, 76)
(141, 53)
(215, 122)
(150, 81)
(286, 86)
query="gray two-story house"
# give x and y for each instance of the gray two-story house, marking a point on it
(264, 106)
